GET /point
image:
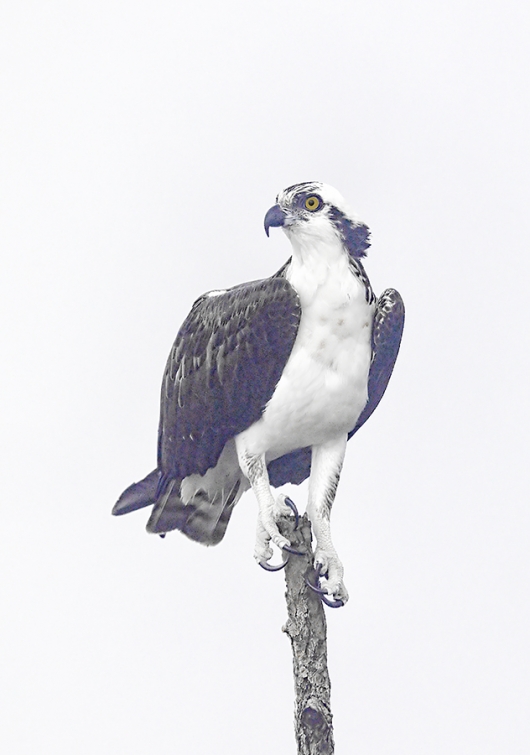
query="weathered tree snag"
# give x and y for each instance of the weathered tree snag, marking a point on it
(306, 627)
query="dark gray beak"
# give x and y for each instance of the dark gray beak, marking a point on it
(275, 217)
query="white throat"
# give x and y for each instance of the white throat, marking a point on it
(319, 258)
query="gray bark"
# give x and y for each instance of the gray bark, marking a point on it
(306, 628)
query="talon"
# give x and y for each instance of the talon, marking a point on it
(322, 593)
(291, 504)
(274, 567)
(316, 587)
(332, 603)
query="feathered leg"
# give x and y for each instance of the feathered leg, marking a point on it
(255, 470)
(326, 465)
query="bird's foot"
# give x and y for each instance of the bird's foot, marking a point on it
(262, 549)
(329, 569)
(266, 534)
(269, 517)
(284, 506)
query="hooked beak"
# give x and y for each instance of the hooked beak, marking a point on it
(275, 217)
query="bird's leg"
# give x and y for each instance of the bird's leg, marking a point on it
(255, 470)
(326, 464)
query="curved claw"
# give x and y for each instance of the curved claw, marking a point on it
(316, 589)
(287, 549)
(322, 593)
(332, 603)
(274, 567)
(290, 503)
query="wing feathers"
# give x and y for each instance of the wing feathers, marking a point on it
(222, 370)
(387, 330)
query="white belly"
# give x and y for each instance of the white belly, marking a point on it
(323, 388)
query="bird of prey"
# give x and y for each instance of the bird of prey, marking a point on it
(268, 380)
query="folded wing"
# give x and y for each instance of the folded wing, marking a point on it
(222, 370)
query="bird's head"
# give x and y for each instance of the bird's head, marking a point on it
(311, 213)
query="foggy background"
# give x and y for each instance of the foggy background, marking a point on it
(141, 146)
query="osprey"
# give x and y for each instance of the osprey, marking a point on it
(268, 380)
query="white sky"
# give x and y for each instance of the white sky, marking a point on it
(142, 143)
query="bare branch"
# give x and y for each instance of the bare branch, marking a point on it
(306, 627)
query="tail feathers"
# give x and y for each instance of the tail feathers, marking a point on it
(201, 519)
(138, 495)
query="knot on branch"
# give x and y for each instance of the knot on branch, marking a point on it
(312, 718)
(316, 732)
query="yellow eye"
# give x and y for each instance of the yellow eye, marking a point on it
(312, 203)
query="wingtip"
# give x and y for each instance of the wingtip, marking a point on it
(137, 495)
